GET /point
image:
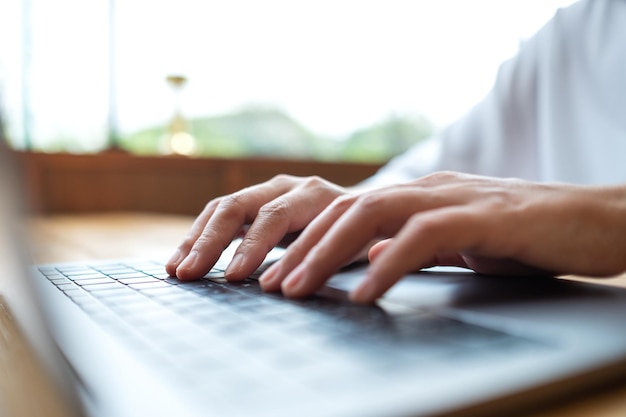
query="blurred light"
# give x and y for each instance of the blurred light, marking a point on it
(182, 143)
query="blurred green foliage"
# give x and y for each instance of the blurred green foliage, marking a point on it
(263, 131)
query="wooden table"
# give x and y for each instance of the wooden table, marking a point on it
(63, 238)
(100, 236)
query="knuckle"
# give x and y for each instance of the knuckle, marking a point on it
(427, 225)
(442, 176)
(253, 242)
(276, 208)
(211, 205)
(206, 239)
(233, 205)
(342, 202)
(370, 202)
(282, 179)
(232, 200)
(314, 182)
(498, 201)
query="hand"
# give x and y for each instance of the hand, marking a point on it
(272, 210)
(487, 224)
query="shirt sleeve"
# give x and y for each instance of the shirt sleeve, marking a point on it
(496, 137)
(556, 111)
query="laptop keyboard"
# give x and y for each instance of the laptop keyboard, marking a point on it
(208, 325)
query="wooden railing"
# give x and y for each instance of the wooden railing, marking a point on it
(165, 184)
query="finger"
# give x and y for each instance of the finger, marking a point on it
(350, 229)
(492, 266)
(272, 279)
(194, 233)
(224, 223)
(446, 230)
(440, 259)
(288, 213)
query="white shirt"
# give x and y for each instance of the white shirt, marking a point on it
(557, 111)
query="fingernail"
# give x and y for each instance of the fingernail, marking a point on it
(267, 278)
(235, 265)
(188, 263)
(292, 285)
(364, 293)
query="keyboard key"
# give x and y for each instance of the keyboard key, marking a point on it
(81, 277)
(125, 275)
(104, 287)
(92, 281)
(149, 285)
(138, 280)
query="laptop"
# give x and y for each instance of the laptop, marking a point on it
(121, 338)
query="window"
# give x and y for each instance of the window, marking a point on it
(324, 79)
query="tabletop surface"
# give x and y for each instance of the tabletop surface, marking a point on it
(62, 238)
